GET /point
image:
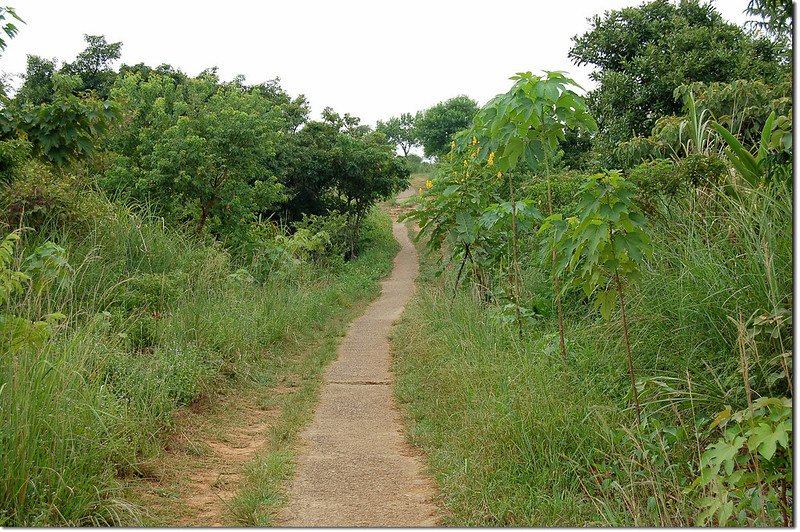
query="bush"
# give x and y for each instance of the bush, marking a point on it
(702, 170)
(564, 187)
(655, 180)
(14, 154)
(39, 198)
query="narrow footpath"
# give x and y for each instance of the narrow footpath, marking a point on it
(354, 467)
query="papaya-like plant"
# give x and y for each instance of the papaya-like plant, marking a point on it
(526, 124)
(746, 474)
(603, 248)
(40, 269)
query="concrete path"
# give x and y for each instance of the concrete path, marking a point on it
(354, 467)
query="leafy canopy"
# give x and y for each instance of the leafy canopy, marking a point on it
(437, 125)
(642, 54)
(607, 238)
(527, 122)
(400, 131)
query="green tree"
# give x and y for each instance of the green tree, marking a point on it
(197, 149)
(437, 125)
(526, 124)
(94, 65)
(400, 131)
(367, 171)
(604, 248)
(642, 54)
(212, 159)
(38, 86)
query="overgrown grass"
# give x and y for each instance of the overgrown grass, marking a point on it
(513, 439)
(154, 320)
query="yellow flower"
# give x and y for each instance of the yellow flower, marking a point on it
(465, 163)
(420, 191)
(453, 145)
(474, 140)
(428, 184)
(491, 159)
(499, 174)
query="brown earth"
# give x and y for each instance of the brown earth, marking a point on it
(354, 467)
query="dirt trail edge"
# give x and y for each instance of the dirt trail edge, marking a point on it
(354, 467)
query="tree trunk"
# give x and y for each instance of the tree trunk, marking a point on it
(206, 209)
(354, 230)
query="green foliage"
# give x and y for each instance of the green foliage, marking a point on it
(197, 149)
(40, 198)
(654, 180)
(747, 471)
(37, 87)
(62, 130)
(606, 239)
(416, 165)
(212, 161)
(322, 237)
(459, 212)
(527, 122)
(93, 65)
(661, 181)
(776, 16)
(702, 170)
(563, 189)
(8, 27)
(400, 131)
(367, 171)
(642, 54)
(437, 125)
(756, 169)
(14, 154)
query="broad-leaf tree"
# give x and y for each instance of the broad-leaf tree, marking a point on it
(525, 125)
(400, 131)
(642, 54)
(437, 125)
(604, 249)
(204, 147)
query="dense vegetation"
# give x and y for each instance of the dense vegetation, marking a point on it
(163, 236)
(614, 347)
(603, 332)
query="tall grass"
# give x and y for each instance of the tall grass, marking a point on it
(155, 319)
(514, 440)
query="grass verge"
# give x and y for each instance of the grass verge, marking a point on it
(154, 321)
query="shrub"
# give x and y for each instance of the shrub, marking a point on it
(701, 170)
(654, 180)
(13, 155)
(38, 198)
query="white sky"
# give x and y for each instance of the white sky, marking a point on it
(373, 59)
